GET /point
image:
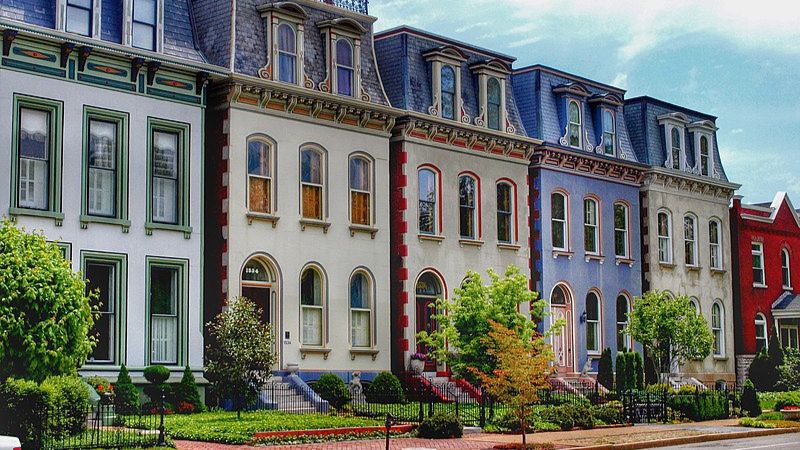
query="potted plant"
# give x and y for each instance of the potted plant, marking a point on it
(105, 408)
(417, 363)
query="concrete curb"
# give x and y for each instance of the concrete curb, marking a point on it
(692, 439)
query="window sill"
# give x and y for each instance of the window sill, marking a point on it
(57, 216)
(592, 257)
(324, 224)
(87, 219)
(508, 246)
(363, 351)
(760, 286)
(314, 351)
(693, 268)
(594, 353)
(720, 358)
(717, 271)
(787, 288)
(666, 265)
(149, 227)
(557, 253)
(618, 260)
(363, 229)
(470, 242)
(251, 216)
(430, 237)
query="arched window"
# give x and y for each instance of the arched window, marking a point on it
(360, 191)
(695, 304)
(312, 306)
(559, 296)
(493, 103)
(593, 331)
(623, 309)
(786, 272)
(428, 199)
(312, 183)
(609, 133)
(591, 232)
(664, 237)
(259, 176)
(361, 310)
(257, 286)
(705, 166)
(718, 328)
(715, 244)
(467, 206)
(344, 67)
(677, 151)
(505, 212)
(559, 221)
(287, 54)
(761, 332)
(690, 240)
(574, 117)
(448, 92)
(621, 242)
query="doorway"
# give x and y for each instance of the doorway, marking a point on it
(561, 310)
(428, 289)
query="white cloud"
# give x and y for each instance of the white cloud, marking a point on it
(620, 80)
(737, 131)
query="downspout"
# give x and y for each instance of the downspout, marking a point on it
(232, 62)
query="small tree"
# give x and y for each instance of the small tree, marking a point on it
(750, 401)
(638, 370)
(670, 330)
(45, 312)
(789, 372)
(521, 371)
(241, 357)
(622, 372)
(186, 391)
(126, 396)
(605, 370)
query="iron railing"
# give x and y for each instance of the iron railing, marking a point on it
(359, 6)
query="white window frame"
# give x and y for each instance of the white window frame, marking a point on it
(612, 135)
(673, 130)
(279, 52)
(322, 185)
(709, 165)
(371, 188)
(786, 269)
(759, 252)
(475, 208)
(308, 308)
(715, 256)
(436, 199)
(439, 58)
(455, 95)
(665, 240)
(270, 178)
(564, 223)
(718, 328)
(761, 324)
(352, 69)
(792, 331)
(624, 231)
(511, 213)
(578, 124)
(368, 310)
(627, 340)
(159, 26)
(500, 115)
(595, 227)
(598, 324)
(690, 242)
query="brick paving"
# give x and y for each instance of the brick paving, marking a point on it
(396, 444)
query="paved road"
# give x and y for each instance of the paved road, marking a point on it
(789, 441)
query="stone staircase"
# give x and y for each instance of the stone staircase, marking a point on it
(282, 396)
(449, 388)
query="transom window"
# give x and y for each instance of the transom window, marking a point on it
(609, 133)
(574, 117)
(467, 202)
(448, 80)
(690, 240)
(757, 252)
(493, 103)
(786, 273)
(664, 237)
(287, 54)
(164, 287)
(505, 212)
(718, 328)
(360, 310)
(761, 332)
(34, 143)
(311, 306)
(704, 156)
(312, 183)
(590, 226)
(676, 148)
(623, 309)
(165, 176)
(558, 221)
(145, 13)
(360, 191)
(344, 67)
(715, 244)
(101, 278)
(593, 330)
(428, 197)
(259, 176)
(621, 243)
(79, 17)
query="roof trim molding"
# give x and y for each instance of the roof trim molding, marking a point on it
(775, 207)
(681, 181)
(704, 125)
(446, 53)
(573, 88)
(587, 164)
(677, 118)
(343, 24)
(444, 41)
(290, 9)
(491, 66)
(606, 99)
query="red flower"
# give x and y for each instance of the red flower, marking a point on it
(100, 388)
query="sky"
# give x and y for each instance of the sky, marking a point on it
(737, 60)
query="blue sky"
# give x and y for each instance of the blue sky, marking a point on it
(737, 60)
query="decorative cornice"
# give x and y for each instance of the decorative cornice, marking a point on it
(588, 164)
(694, 184)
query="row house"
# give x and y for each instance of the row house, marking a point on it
(584, 188)
(101, 141)
(297, 193)
(686, 238)
(766, 242)
(458, 174)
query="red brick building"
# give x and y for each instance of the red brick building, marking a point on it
(766, 274)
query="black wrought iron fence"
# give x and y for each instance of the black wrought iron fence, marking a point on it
(696, 403)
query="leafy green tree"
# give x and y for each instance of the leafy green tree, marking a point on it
(789, 372)
(605, 370)
(45, 312)
(670, 330)
(465, 320)
(241, 358)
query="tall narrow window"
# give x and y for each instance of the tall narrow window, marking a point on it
(166, 176)
(718, 328)
(757, 251)
(558, 221)
(695, 304)
(590, 227)
(164, 338)
(101, 278)
(259, 176)
(34, 142)
(690, 240)
(786, 273)
(312, 182)
(574, 117)
(287, 54)
(360, 191)
(623, 309)
(593, 331)
(102, 183)
(79, 17)
(761, 332)
(505, 212)
(145, 13)
(715, 244)
(704, 156)
(621, 243)
(609, 133)
(360, 311)
(493, 103)
(676, 149)
(448, 92)
(311, 307)
(467, 207)
(428, 197)
(664, 237)
(344, 67)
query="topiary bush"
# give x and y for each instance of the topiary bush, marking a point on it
(605, 370)
(638, 370)
(332, 389)
(156, 374)
(750, 402)
(126, 400)
(785, 399)
(23, 411)
(385, 388)
(70, 401)
(622, 373)
(186, 392)
(441, 426)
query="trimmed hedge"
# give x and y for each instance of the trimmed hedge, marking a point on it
(385, 388)
(441, 426)
(156, 374)
(69, 397)
(785, 399)
(23, 411)
(185, 395)
(699, 406)
(332, 388)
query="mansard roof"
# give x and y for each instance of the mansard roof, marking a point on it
(179, 39)
(407, 78)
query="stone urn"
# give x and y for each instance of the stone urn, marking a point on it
(417, 366)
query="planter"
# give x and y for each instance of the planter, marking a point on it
(417, 366)
(791, 414)
(106, 416)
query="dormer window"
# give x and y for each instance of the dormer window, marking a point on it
(676, 148)
(672, 130)
(493, 104)
(448, 92)
(79, 17)
(446, 82)
(492, 75)
(574, 117)
(284, 25)
(287, 54)
(704, 156)
(145, 18)
(344, 67)
(609, 133)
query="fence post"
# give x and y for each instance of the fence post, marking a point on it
(388, 429)
(161, 438)
(482, 418)
(430, 400)
(420, 399)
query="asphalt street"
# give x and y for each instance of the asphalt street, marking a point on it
(789, 441)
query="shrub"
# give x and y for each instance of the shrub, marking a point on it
(332, 388)
(610, 413)
(700, 405)
(789, 372)
(156, 374)
(622, 373)
(23, 411)
(385, 388)
(774, 415)
(126, 400)
(605, 370)
(638, 370)
(755, 423)
(785, 399)
(569, 416)
(750, 399)
(186, 392)
(441, 426)
(185, 408)
(70, 400)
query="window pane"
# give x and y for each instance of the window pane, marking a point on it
(344, 81)
(163, 290)
(312, 202)
(259, 195)
(144, 11)
(558, 206)
(286, 39)
(467, 207)
(258, 156)
(359, 292)
(310, 288)
(558, 235)
(574, 113)
(361, 328)
(33, 182)
(255, 271)
(592, 307)
(360, 208)
(287, 68)
(100, 278)
(34, 135)
(312, 326)
(144, 36)
(493, 103)
(102, 187)
(79, 21)
(620, 217)
(102, 144)
(448, 92)
(165, 205)
(427, 186)
(312, 171)
(344, 53)
(165, 154)
(359, 174)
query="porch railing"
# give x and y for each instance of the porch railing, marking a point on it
(359, 6)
